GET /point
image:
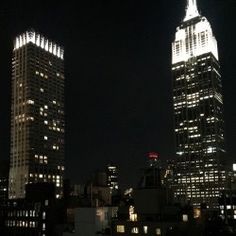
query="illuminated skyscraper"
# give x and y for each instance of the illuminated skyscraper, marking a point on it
(198, 111)
(37, 114)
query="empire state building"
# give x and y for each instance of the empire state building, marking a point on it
(198, 111)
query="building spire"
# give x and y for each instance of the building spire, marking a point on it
(191, 10)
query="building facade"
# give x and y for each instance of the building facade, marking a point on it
(4, 173)
(152, 211)
(92, 221)
(112, 177)
(39, 213)
(37, 114)
(198, 111)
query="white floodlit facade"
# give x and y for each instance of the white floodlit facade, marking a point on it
(195, 39)
(198, 111)
(40, 41)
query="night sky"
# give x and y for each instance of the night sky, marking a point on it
(118, 76)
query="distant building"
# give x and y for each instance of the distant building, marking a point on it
(103, 188)
(112, 177)
(198, 111)
(37, 114)
(152, 212)
(92, 221)
(227, 200)
(98, 195)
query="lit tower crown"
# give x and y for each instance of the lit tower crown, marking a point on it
(191, 10)
(194, 37)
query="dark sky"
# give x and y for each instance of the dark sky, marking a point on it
(118, 77)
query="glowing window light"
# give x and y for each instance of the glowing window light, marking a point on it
(185, 218)
(30, 101)
(145, 229)
(134, 230)
(120, 228)
(234, 167)
(158, 231)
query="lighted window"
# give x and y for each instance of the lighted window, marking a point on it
(30, 102)
(158, 231)
(132, 215)
(134, 230)
(185, 218)
(120, 228)
(234, 167)
(145, 229)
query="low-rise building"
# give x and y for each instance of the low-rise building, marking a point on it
(39, 213)
(153, 211)
(92, 221)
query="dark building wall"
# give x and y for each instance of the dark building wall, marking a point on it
(40, 213)
(4, 175)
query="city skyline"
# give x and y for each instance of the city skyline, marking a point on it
(116, 108)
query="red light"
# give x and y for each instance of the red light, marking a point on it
(153, 155)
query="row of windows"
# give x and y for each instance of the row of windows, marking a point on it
(137, 230)
(21, 223)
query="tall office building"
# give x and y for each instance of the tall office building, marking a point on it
(198, 111)
(37, 114)
(112, 177)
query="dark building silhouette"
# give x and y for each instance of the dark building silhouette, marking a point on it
(152, 211)
(4, 173)
(39, 213)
